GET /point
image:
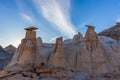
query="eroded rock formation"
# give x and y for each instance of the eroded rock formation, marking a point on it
(28, 47)
(58, 58)
(81, 58)
(27, 51)
(91, 39)
(97, 58)
(77, 37)
(113, 32)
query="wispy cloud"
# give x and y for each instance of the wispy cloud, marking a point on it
(53, 39)
(26, 17)
(57, 13)
(24, 12)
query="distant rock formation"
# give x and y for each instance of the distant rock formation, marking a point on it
(113, 32)
(4, 57)
(77, 37)
(10, 49)
(39, 42)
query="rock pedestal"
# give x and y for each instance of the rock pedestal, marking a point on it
(27, 50)
(28, 47)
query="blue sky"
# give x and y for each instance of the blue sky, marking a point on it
(54, 18)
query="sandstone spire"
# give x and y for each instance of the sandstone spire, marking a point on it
(58, 59)
(28, 47)
(28, 51)
(97, 58)
(91, 39)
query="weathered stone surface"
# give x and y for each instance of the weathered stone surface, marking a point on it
(17, 77)
(77, 37)
(38, 67)
(91, 39)
(28, 47)
(92, 55)
(58, 58)
(27, 52)
(111, 52)
(29, 74)
(97, 60)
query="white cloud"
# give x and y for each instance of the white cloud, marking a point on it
(26, 17)
(57, 13)
(24, 12)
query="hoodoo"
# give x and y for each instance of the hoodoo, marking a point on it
(59, 59)
(92, 55)
(28, 47)
(97, 58)
(91, 38)
(27, 50)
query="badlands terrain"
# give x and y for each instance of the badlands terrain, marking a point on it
(90, 57)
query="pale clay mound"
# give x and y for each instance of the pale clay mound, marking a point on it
(81, 58)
